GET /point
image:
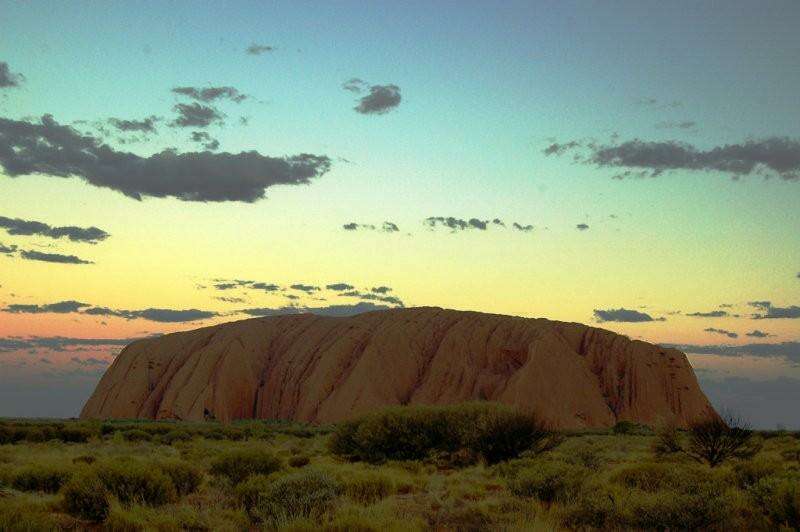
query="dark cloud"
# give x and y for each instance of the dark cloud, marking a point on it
(355, 85)
(380, 289)
(723, 332)
(230, 299)
(524, 228)
(787, 350)
(17, 226)
(147, 125)
(7, 250)
(258, 49)
(160, 315)
(196, 115)
(52, 257)
(686, 124)
(770, 156)
(307, 288)
(380, 100)
(331, 310)
(758, 334)
(210, 94)
(372, 296)
(58, 343)
(710, 314)
(338, 287)
(557, 148)
(205, 139)
(7, 78)
(91, 361)
(622, 315)
(386, 227)
(62, 307)
(266, 287)
(150, 314)
(771, 312)
(60, 151)
(456, 224)
(582, 227)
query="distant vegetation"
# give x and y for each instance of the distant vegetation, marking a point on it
(467, 467)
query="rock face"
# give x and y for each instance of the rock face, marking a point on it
(325, 369)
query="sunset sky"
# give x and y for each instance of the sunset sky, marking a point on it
(635, 167)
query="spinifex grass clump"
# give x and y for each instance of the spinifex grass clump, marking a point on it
(238, 465)
(490, 431)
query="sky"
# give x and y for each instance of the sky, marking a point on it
(635, 166)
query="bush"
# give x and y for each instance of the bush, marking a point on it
(86, 497)
(136, 482)
(367, 487)
(185, 477)
(494, 432)
(40, 478)
(175, 436)
(237, 465)
(84, 459)
(136, 435)
(626, 427)
(249, 491)
(74, 434)
(778, 497)
(715, 440)
(299, 461)
(654, 477)
(750, 472)
(308, 493)
(548, 481)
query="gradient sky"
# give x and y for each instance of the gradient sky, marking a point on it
(519, 111)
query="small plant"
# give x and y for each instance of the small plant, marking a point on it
(174, 436)
(367, 487)
(548, 481)
(237, 465)
(40, 478)
(137, 482)
(299, 461)
(136, 435)
(86, 497)
(308, 493)
(185, 477)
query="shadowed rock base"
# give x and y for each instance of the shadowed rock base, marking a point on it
(324, 369)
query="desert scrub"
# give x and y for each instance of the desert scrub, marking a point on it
(239, 464)
(367, 487)
(174, 436)
(184, 476)
(299, 461)
(136, 435)
(306, 494)
(548, 481)
(492, 431)
(133, 481)
(85, 497)
(44, 478)
(26, 513)
(778, 497)
(656, 476)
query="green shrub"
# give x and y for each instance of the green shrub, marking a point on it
(74, 434)
(299, 461)
(367, 487)
(653, 477)
(625, 427)
(548, 481)
(705, 506)
(25, 513)
(40, 478)
(184, 476)
(748, 473)
(494, 432)
(778, 497)
(84, 459)
(249, 491)
(175, 436)
(86, 497)
(134, 435)
(308, 493)
(137, 482)
(239, 464)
